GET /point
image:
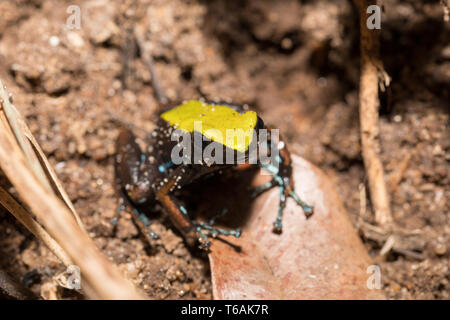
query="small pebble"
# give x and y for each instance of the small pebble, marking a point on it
(286, 44)
(54, 41)
(397, 118)
(439, 249)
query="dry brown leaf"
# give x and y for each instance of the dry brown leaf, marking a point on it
(318, 258)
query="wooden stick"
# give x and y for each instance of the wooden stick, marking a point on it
(33, 152)
(397, 175)
(371, 69)
(101, 275)
(101, 278)
(35, 228)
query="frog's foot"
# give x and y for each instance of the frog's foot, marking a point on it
(146, 222)
(285, 192)
(115, 219)
(142, 220)
(205, 230)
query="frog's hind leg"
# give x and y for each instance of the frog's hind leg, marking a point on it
(139, 218)
(210, 231)
(192, 230)
(281, 172)
(130, 169)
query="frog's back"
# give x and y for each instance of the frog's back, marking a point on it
(214, 120)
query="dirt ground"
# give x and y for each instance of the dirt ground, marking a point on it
(295, 62)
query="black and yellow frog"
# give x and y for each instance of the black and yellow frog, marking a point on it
(144, 177)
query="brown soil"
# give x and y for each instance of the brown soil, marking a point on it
(296, 62)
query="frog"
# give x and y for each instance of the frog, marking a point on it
(151, 176)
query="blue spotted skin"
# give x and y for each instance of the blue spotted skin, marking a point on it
(149, 176)
(163, 167)
(285, 191)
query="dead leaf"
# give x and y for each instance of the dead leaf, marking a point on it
(317, 258)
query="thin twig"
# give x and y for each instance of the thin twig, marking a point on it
(8, 110)
(388, 245)
(397, 175)
(362, 202)
(371, 72)
(101, 275)
(148, 59)
(101, 278)
(33, 152)
(35, 228)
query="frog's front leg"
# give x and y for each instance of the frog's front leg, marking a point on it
(133, 169)
(281, 172)
(192, 230)
(133, 173)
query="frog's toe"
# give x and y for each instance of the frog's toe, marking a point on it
(256, 191)
(285, 192)
(308, 210)
(204, 243)
(153, 235)
(114, 221)
(206, 230)
(277, 226)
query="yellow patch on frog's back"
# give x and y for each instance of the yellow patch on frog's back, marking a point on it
(216, 122)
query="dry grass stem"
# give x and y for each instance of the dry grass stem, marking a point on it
(372, 74)
(20, 163)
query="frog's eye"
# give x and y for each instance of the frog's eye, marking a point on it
(259, 124)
